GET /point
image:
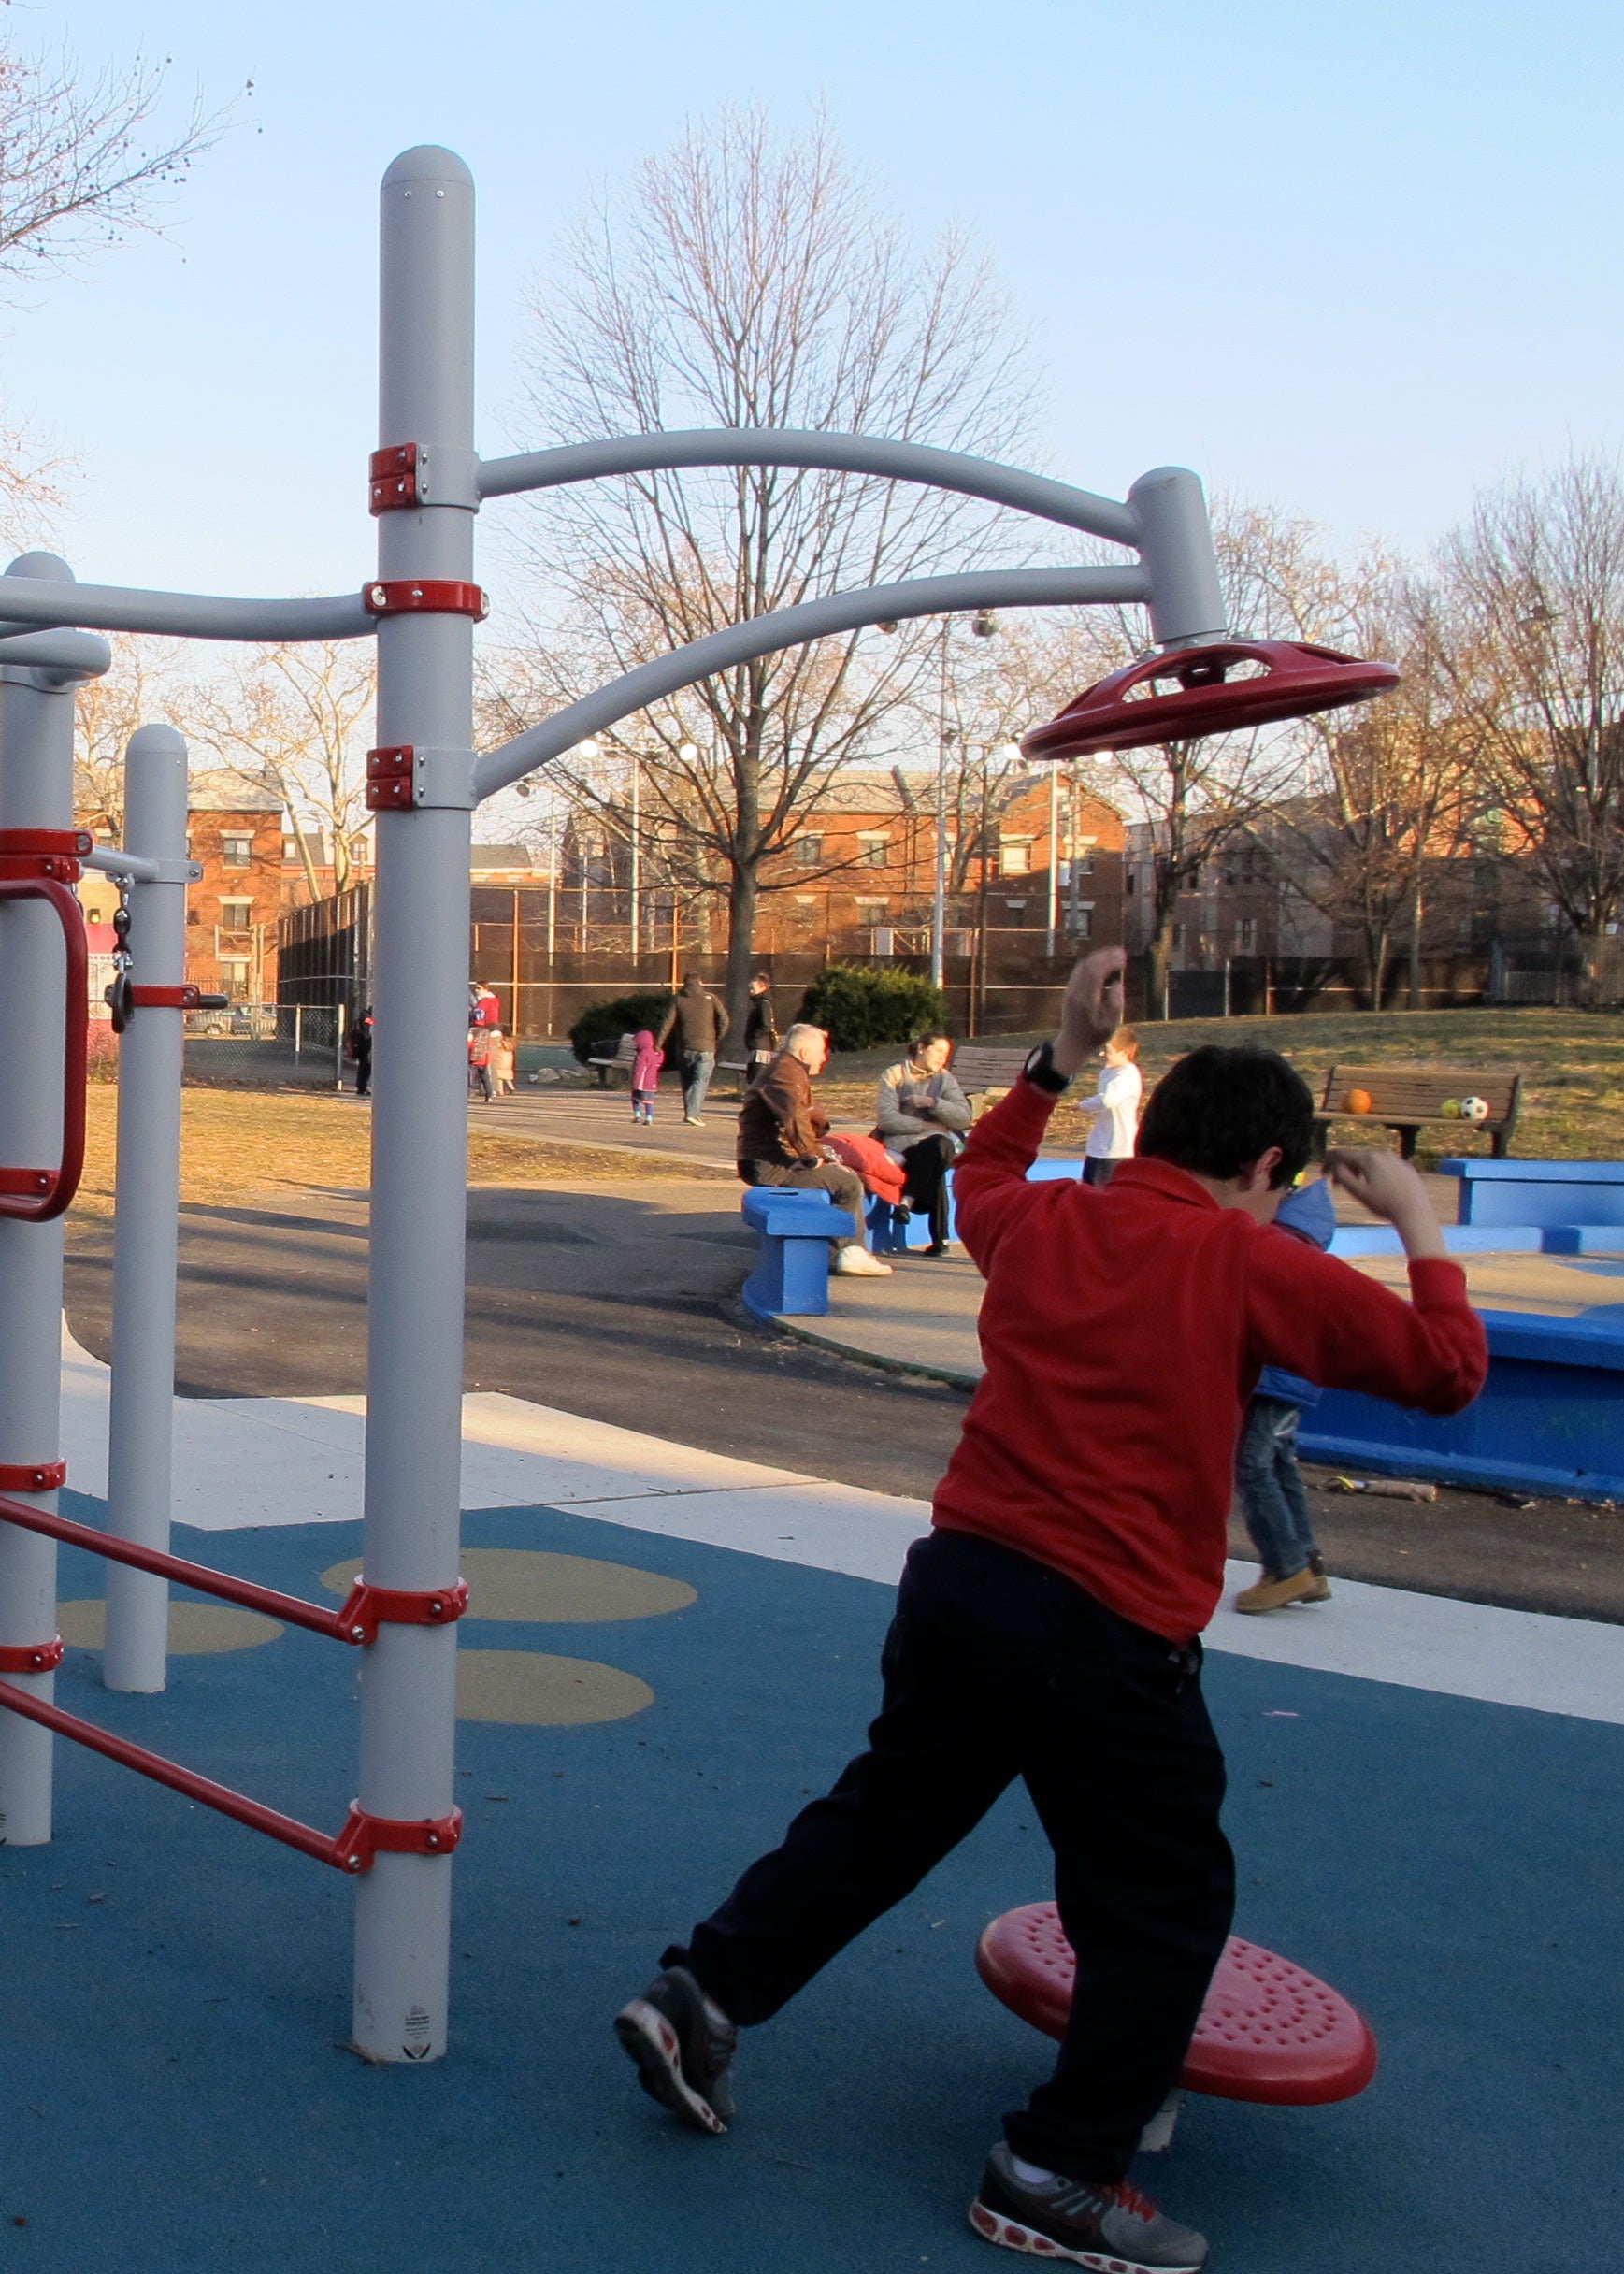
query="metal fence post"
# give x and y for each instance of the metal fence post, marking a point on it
(420, 1110)
(141, 1418)
(35, 793)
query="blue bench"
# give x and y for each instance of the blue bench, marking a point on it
(792, 1267)
(1573, 1194)
(1550, 1418)
(892, 1233)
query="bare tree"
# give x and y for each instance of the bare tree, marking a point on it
(291, 718)
(78, 164)
(1391, 785)
(749, 281)
(1535, 586)
(106, 712)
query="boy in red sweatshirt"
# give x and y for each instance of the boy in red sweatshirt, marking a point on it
(1048, 1627)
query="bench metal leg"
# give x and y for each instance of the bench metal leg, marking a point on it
(1407, 1143)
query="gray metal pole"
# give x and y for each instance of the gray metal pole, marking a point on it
(419, 1117)
(939, 879)
(1175, 544)
(140, 1417)
(35, 793)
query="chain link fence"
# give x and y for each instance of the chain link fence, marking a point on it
(267, 1046)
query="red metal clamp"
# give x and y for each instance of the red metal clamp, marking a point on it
(187, 998)
(424, 597)
(389, 778)
(40, 865)
(47, 853)
(366, 1608)
(31, 1657)
(33, 1475)
(364, 1836)
(392, 478)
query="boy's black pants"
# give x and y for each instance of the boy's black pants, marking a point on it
(996, 1667)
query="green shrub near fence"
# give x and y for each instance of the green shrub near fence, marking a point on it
(605, 1022)
(860, 1006)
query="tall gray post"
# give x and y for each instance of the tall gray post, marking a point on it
(140, 1421)
(35, 793)
(1175, 544)
(420, 1101)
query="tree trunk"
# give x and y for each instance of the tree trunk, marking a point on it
(1415, 947)
(743, 898)
(1158, 953)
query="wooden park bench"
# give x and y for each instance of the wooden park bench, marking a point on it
(1409, 1099)
(613, 1058)
(985, 1074)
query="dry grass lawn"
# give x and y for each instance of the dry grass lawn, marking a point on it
(1571, 1062)
(240, 1142)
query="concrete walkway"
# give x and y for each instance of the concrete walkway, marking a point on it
(922, 1319)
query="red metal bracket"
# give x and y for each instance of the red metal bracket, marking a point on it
(367, 1609)
(31, 1657)
(392, 478)
(43, 853)
(424, 597)
(34, 866)
(364, 1836)
(31, 1475)
(186, 998)
(389, 778)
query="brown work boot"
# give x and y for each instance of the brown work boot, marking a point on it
(1272, 1594)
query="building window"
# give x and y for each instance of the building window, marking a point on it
(1083, 928)
(809, 852)
(236, 850)
(871, 912)
(236, 916)
(234, 977)
(873, 851)
(1016, 858)
(1246, 935)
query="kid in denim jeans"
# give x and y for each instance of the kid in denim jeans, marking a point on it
(1273, 1500)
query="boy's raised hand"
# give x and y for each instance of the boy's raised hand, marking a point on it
(1091, 1009)
(1392, 1189)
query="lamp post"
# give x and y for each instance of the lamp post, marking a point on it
(984, 624)
(637, 775)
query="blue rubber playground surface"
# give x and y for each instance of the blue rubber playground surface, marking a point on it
(176, 2098)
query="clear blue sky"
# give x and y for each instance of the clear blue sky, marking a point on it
(1356, 259)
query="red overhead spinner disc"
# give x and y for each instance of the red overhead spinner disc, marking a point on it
(1123, 711)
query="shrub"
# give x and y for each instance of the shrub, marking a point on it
(605, 1022)
(101, 1052)
(861, 1006)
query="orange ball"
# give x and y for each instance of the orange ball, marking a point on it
(1356, 1102)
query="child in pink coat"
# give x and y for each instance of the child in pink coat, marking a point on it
(647, 1059)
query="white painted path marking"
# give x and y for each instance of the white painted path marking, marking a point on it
(243, 1463)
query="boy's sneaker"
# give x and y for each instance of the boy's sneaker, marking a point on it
(1106, 2225)
(855, 1262)
(1270, 1594)
(681, 2053)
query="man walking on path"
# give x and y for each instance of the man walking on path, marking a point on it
(701, 1025)
(1048, 1626)
(781, 1142)
(760, 1024)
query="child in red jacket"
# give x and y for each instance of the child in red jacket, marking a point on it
(1048, 1627)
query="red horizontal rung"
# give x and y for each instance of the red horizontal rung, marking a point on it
(269, 1600)
(254, 1813)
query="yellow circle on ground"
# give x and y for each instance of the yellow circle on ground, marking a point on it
(531, 1584)
(533, 1688)
(195, 1629)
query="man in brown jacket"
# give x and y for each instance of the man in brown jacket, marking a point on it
(781, 1141)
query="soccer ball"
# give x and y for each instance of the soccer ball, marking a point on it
(1475, 1110)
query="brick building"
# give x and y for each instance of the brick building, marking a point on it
(234, 831)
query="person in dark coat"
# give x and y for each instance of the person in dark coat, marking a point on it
(699, 1022)
(760, 1024)
(358, 1050)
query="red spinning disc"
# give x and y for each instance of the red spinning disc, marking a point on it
(1123, 711)
(1269, 2031)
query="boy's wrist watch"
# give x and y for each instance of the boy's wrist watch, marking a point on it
(1042, 1072)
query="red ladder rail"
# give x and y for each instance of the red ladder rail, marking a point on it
(356, 1620)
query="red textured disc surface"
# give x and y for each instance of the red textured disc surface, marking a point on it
(1269, 2031)
(1286, 679)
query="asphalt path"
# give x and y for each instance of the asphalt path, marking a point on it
(617, 1302)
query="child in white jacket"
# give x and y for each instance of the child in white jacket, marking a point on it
(1114, 1108)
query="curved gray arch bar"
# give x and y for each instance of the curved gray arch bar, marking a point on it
(839, 611)
(29, 601)
(856, 454)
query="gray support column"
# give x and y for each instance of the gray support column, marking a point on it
(1175, 544)
(140, 1422)
(419, 1118)
(35, 793)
